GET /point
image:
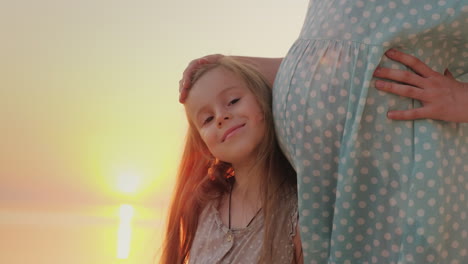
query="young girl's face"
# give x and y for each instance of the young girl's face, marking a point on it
(227, 116)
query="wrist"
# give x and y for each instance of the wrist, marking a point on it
(463, 109)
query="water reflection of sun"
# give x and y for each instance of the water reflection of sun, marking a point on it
(124, 231)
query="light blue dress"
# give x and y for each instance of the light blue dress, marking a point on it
(373, 190)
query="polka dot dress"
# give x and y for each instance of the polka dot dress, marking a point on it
(373, 190)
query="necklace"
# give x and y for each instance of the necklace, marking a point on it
(229, 209)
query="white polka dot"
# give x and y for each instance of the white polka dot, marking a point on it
(343, 92)
(409, 239)
(341, 110)
(403, 196)
(450, 11)
(346, 75)
(429, 164)
(313, 94)
(420, 230)
(420, 194)
(318, 122)
(417, 157)
(421, 212)
(419, 175)
(385, 253)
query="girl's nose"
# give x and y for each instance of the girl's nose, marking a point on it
(223, 118)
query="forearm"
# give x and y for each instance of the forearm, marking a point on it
(268, 67)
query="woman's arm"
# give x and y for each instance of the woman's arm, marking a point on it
(268, 67)
(442, 96)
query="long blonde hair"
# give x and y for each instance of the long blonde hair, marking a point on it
(195, 187)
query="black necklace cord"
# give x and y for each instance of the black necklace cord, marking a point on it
(229, 209)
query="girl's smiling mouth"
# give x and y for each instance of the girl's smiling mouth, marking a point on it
(230, 132)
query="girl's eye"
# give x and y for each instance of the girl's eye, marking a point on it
(207, 120)
(234, 101)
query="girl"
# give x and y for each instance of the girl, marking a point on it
(235, 198)
(371, 189)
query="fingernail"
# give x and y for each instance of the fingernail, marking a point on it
(390, 52)
(377, 70)
(183, 84)
(446, 72)
(182, 97)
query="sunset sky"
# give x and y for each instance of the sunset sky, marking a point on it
(90, 118)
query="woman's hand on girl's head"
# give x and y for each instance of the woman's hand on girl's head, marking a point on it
(184, 83)
(442, 97)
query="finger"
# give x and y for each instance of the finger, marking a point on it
(411, 114)
(181, 85)
(183, 95)
(414, 63)
(187, 75)
(399, 76)
(400, 89)
(188, 72)
(185, 83)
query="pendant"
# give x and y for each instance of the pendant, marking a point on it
(229, 237)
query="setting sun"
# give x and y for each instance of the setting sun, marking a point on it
(128, 182)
